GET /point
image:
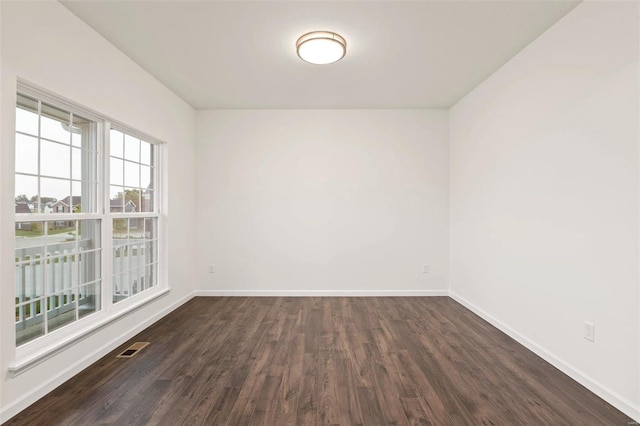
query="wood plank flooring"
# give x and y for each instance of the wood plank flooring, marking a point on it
(330, 361)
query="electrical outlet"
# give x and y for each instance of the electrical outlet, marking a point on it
(589, 331)
(211, 269)
(425, 269)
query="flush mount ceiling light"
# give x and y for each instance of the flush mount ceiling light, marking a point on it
(321, 47)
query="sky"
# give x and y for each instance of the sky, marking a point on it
(61, 157)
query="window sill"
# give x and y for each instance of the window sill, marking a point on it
(27, 361)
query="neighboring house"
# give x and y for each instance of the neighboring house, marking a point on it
(60, 207)
(116, 206)
(72, 202)
(23, 208)
(129, 207)
(66, 205)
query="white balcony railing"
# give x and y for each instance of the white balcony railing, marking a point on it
(67, 266)
(71, 272)
(132, 267)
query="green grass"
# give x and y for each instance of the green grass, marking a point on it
(23, 233)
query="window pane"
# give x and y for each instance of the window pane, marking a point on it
(136, 229)
(117, 200)
(56, 189)
(150, 272)
(145, 177)
(29, 280)
(116, 172)
(147, 201)
(29, 321)
(80, 204)
(89, 243)
(116, 140)
(55, 159)
(132, 200)
(89, 299)
(150, 252)
(26, 186)
(57, 274)
(119, 291)
(61, 310)
(146, 151)
(132, 254)
(150, 228)
(29, 254)
(26, 154)
(54, 124)
(27, 115)
(131, 148)
(76, 163)
(131, 174)
(120, 231)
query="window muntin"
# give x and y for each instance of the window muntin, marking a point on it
(135, 260)
(56, 157)
(60, 218)
(133, 208)
(132, 169)
(57, 266)
(58, 261)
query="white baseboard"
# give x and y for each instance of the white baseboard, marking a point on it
(319, 293)
(627, 407)
(37, 393)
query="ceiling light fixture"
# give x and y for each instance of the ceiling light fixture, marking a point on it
(321, 47)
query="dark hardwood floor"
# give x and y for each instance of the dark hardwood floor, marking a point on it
(307, 361)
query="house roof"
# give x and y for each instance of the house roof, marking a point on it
(118, 203)
(75, 200)
(23, 208)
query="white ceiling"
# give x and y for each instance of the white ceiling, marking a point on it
(241, 54)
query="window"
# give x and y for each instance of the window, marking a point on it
(134, 221)
(79, 177)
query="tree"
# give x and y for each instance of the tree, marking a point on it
(132, 195)
(22, 199)
(119, 226)
(36, 227)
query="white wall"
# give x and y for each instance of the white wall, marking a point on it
(544, 198)
(543, 184)
(42, 42)
(318, 201)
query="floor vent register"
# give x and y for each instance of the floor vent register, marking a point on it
(133, 350)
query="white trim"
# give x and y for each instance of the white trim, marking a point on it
(37, 393)
(26, 363)
(32, 90)
(50, 343)
(130, 131)
(54, 217)
(627, 407)
(320, 293)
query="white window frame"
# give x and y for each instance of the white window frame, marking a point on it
(110, 216)
(38, 350)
